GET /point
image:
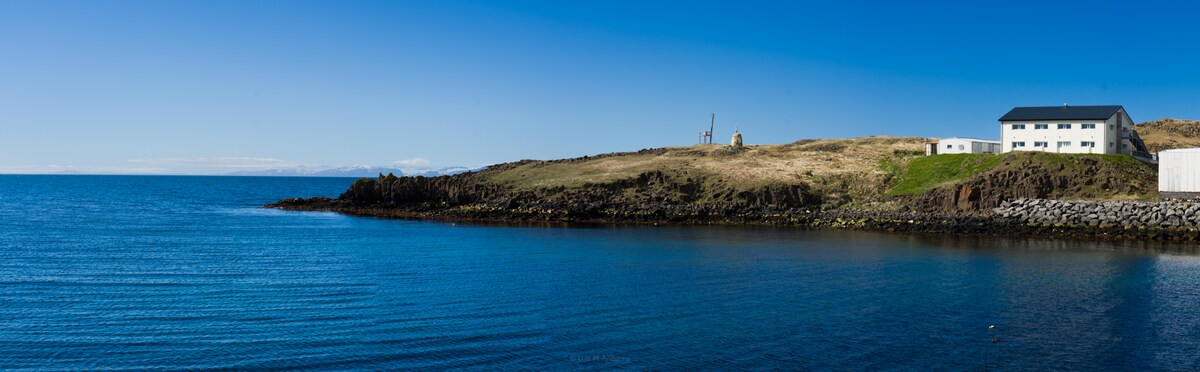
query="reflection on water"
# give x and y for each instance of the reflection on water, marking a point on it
(187, 272)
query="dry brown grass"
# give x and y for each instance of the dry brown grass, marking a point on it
(1169, 133)
(849, 167)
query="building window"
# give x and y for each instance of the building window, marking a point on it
(1041, 126)
(949, 147)
(1089, 126)
(1018, 126)
(1064, 126)
(1064, 143)
(1110, 127)
(1088, 144)
(1039, 144)
(1110, 145)
(1018, 144)
(960, 147)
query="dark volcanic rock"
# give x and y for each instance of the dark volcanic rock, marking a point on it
(391, 190)
(1029, 179)
(668, 196)
(653, 193)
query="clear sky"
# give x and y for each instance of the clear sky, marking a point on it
(219, 86)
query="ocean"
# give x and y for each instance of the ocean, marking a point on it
(145, 272)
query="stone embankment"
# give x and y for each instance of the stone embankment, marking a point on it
(1128, 214)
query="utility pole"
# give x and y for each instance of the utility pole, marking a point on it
(711, 123)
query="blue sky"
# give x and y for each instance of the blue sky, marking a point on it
(208, 87)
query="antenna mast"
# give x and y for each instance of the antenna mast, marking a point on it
(711, 123)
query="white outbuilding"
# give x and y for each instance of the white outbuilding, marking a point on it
(1179, 173)
(958, 145)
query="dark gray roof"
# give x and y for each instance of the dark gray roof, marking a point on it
(1060, 113)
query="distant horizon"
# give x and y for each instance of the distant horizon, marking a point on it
(203, 88)
(284, 172)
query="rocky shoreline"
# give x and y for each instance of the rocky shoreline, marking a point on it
(1019, 218)
(1017, 203)
(1123, 214)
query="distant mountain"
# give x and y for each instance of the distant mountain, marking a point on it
(440, 172)
(351, 171)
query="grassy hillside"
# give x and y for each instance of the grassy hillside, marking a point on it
(867, 173)
(1039, 175)
(715, 181)
(1096, 170)
(1169, 133)
(927, 172)
(845, 171)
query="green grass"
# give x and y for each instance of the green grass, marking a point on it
(1120, 159)
(889, 165)
(927, 172)
(1071, 160)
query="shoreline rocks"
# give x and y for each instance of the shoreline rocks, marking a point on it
(1126, 214)
(1019, 218)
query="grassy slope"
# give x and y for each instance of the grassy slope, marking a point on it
(1079, 176)
(1169, 134)
(859, 173)
(848, 171)
(855, 172)
(1140, 177)
(931, 171)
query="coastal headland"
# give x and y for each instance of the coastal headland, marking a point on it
(870, 183)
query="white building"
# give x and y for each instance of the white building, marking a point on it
(1179, 173)
(962, 146)
(1070, 129)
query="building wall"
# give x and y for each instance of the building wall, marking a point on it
(1107, 139)
(965, 146)
(1124, 129)
(1179, 171)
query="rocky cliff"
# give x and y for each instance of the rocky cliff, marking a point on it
(873, 177)
(1040, 176)
(652, 193)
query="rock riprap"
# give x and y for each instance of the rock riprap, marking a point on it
(1100, 213)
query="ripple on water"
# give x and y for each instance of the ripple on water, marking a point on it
(136, 273)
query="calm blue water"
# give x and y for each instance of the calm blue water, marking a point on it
(113, 273)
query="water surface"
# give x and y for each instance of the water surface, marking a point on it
(115, 273)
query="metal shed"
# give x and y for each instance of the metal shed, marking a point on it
(1179, 173)
(957, 145)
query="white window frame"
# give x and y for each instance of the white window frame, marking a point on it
(1064, 126)
(1019, 144)
(1044, 144)
(1018, 126)
(1087, 144)
(1062, 144)
(1088, 126)
(1041, 126)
